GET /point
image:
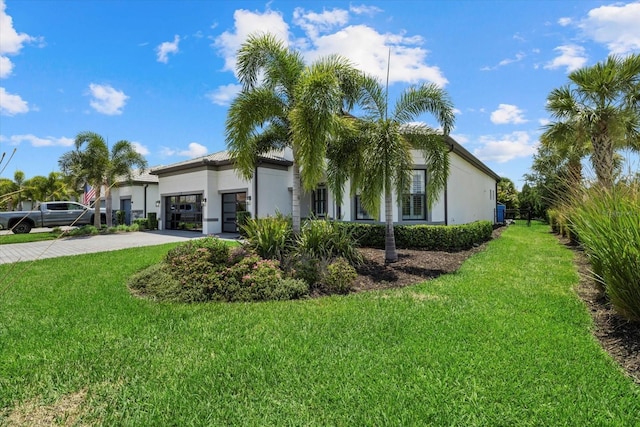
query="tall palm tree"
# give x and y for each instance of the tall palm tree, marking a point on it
(97, 166)
(599, 108)
(377, 156)
(285, 103)
(123, 160)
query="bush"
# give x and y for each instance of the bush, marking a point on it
(217, 252)
(206, 270)
(607, 223)
(120, 217)
(141, 223)
(448, 238)
(339, 276)
(323, 239)
(269, 237)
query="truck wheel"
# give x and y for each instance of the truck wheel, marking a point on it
(22, 228)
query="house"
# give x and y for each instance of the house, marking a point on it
(137, 196)
(204, 194)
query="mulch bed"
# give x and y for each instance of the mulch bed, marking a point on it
(618, 337)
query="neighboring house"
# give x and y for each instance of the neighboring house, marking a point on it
(137, 197)
(204, 194)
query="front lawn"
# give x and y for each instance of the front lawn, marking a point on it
(503, 341)
(6, 239)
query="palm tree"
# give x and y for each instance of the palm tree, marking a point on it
(600, 109)
(122, 162)
(285, 103)
(377, 155)
(97, 166)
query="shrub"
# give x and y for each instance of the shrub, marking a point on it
(303, 267)
(449, 238)
(217, 252)
(323, 239)
(241, 219)
(120, 217)
(268, 237)
(607, 223)
(141, 223)
(339, 276)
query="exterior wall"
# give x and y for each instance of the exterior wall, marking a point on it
(470, 193)
(136, 193)
(274, 194)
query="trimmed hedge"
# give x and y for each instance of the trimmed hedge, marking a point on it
(449, 238)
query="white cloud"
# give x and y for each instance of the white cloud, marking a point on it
(140, 149)
(315, 23)
(247, 23)
(164, 49)
(223, 95)
(11, 104)
(6, 67)
(544, 122)
(571, 56)
(617, 26)
(507, 113)
(194, 150)
(563, 22)
(369, 50)
(11, 42)
(518, 57)
(505, 148)
(36, 141)
(365, 10)
(107, 100)
(326, 34)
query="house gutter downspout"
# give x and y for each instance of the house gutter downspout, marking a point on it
(145, 200)
(446, 193)
(255, 192)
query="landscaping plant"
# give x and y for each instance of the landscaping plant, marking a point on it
(607, 223)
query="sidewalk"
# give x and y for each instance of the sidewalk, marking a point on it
(90, 244)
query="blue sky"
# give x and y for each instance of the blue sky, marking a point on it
(161, 73)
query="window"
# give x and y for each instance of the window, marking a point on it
(414, 203)
(319, 201)
(361, 213)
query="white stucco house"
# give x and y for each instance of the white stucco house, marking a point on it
(137, 197)
(204, 194)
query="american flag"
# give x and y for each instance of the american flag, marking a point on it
(89, 193)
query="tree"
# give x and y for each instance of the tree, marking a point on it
(18, 178)
(507, 193)
(599, 111)
(47, 188)
(97, 166)
(377, 155)
(285, 103)
(122, 162)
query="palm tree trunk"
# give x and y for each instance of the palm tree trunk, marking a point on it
(108, 203)
(96, 206)
(603, 159)
(295, 203)
(390, 252)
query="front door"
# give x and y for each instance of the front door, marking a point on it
(232, 203)
(125, 205)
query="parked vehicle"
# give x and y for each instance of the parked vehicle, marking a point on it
(49, 214)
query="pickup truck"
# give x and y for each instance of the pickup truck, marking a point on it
(49, 214)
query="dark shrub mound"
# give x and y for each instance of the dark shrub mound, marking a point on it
(207, 270)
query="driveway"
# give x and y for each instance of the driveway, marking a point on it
(89, 244)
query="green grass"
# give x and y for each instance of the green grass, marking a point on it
(6, 239)
(504, 341)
